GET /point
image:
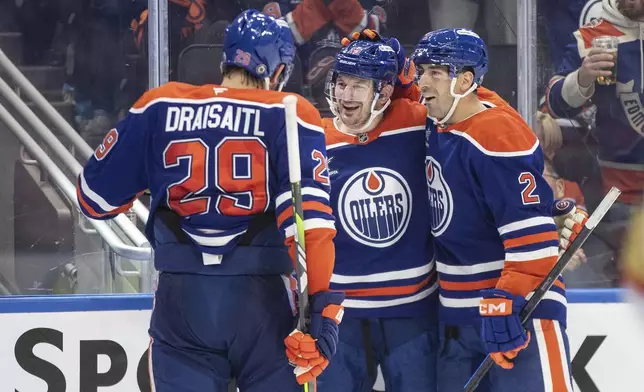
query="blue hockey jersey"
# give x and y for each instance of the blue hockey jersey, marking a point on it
(620, 112)
(215, 162)
(383, 245)
(491, 213)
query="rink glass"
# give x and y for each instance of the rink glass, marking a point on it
(609, 44)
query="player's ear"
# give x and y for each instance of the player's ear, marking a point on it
(464, 81)
(276, 76)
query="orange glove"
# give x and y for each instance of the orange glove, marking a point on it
(304, 354)
(505, 360)
(310, 353)
(571, 227)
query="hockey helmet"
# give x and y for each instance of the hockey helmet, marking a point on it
(259, 43)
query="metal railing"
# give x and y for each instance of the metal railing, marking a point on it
(142, 254)
(57, 119)
(141, 250)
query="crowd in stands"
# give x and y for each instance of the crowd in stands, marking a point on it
(103, 46)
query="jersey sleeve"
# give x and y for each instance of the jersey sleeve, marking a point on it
(520, 202)
(115, 175)
(319, 223)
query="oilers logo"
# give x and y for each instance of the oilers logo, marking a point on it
(374, 207)
(440, 197)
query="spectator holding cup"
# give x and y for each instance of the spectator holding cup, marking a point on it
(605, 65)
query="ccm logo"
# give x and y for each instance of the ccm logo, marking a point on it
(495, 307)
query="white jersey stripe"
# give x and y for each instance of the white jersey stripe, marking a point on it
(402, 130)
(524, 224)
(95, 197)
(469, 269)
(384, 276)
(532, 255)
(495, 153)
(543, 355)
(387, 133)
(314, 223)
(306, 191)
(474, 302)
(150, 367)
(564, 357)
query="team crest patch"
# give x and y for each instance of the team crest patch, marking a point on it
(374, 207)
(440, 197)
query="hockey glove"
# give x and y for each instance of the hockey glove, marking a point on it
(501, 329)
(569, 219)
(406, 67)
(310, 353)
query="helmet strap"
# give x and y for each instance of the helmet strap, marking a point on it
(457, 98)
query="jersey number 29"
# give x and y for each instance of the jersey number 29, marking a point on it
(239, 172)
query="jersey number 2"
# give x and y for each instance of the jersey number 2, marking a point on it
(240, 174)
(527, 195)
(321, 167)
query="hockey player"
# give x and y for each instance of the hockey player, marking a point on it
(384, 267)
(383, 246)
(494, 236)
(214, 159)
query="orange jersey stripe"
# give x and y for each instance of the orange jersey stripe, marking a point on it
(94, 213)
(333, 136)
(469, 286)
(557, 373)
(497, 129)
(530, 239)
(183, 91)
(306, 205)
(487, 95)
(397, 290)
(522, 277)
(401, 113)
(320, 257)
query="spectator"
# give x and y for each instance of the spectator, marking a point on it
(563, 189)
(561, 19)
(620, 114)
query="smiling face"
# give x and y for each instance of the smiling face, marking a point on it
(434, 82)
(354, 97)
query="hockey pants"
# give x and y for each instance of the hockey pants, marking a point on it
(405, 349)
(206, 330)
(544, 366)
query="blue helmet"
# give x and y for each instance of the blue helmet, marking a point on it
(368, 60)
(259, 43)
(454, 48)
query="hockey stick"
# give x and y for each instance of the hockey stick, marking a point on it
(549, 280)
(295, 177)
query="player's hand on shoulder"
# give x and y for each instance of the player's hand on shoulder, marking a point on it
(569, 220)
(310, 352)
(501, 329)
